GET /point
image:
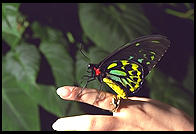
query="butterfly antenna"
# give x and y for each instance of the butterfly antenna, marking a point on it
(81, 50)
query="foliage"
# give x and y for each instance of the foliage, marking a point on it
(105, 28)
(174, 10)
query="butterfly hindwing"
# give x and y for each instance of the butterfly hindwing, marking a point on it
(124, 76)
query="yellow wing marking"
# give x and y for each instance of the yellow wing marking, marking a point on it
(134, 66)
(125, 62)
(115, 87)
(112, 65)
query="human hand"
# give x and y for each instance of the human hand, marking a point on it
(135, 113)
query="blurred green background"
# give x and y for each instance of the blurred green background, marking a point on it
(40, 52)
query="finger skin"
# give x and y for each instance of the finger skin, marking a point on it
(85, 123)
(87, 96)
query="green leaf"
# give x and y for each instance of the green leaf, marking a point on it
(9, 8)
(168, 90)
(13, 24)
(187, 15)
(47, 97)
(23, 63)
(60, 62)
(49, 34)
(19, 112)
(187, 5)
(97, 55)
(114, 24)
(39, 31)
(54, 48)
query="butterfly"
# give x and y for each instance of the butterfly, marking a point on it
(125, 69)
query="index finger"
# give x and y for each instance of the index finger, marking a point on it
(88, 96)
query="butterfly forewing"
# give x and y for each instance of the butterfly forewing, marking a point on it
(146, 50)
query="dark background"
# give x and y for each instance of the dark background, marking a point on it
(176, 29)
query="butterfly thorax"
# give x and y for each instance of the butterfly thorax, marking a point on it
(96, 72)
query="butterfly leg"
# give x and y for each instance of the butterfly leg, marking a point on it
(99, 94)
(89, 79)
(116, 102)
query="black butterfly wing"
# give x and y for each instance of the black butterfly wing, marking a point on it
(146, 50)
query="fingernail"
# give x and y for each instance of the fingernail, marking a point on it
(63, 92)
